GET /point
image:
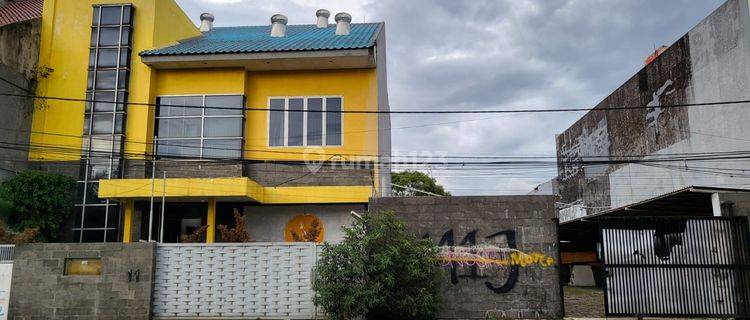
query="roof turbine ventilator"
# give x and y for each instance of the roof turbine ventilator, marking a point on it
(343, 24)
(278, 25)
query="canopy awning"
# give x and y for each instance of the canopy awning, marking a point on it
(231, 189)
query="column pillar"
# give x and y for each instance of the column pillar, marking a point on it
(127, 223)
(211, 221)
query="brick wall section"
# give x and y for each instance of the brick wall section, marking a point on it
(273, 174)
(39, 290)
(267, 174)
(535, 294)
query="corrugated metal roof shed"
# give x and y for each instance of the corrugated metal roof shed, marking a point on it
(20, 10)
(253, 39)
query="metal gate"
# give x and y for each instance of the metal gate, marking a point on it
(676, 267)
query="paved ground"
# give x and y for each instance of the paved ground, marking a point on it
(584, 302)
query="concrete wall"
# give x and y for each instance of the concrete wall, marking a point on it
(526, 223)
(711, 63)
(19, 52)
(15, 122)
(19, 46)
(40, 290)
(267, 223)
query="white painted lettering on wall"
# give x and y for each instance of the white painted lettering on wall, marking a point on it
(589, 146)
(655, 110)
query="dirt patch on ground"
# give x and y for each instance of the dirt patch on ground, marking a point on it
(584, 302)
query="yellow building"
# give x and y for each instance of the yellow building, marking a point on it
(281, 123)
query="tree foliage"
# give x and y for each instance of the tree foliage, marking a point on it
(36, 199)
(379, 271)
(416, 180)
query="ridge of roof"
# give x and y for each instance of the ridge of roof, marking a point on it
(254, 39)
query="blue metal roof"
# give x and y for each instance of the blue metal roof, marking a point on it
(250, 39)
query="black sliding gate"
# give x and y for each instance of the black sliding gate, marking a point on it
(676, 267)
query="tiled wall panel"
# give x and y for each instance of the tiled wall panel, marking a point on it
(255, 280)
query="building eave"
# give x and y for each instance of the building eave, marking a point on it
(266, 61)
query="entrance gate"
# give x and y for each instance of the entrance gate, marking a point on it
(676, 267)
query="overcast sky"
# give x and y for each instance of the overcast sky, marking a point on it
(478, 54)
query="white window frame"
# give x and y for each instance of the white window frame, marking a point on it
(324, 142)
(203, 118)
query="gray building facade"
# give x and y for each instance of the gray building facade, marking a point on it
(709, 64)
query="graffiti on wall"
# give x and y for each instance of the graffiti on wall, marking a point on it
(654, 106)
(488, 260)
(592, 144)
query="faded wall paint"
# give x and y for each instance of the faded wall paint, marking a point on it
(500, 254)
(20, 46)
(711, 63)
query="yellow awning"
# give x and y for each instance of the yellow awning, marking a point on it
(231, 188)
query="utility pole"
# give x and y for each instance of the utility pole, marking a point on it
(163, 205)
(153, 177)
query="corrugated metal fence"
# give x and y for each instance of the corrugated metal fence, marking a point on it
(254, 280)
(685, 267)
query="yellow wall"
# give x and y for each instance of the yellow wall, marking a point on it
(358, 87)
(66, 32)
(65, 40)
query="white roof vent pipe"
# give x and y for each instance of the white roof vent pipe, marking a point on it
(323, 16)
(278, 25)
(207, 22)
(343, 24)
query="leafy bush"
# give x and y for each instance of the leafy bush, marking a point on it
(36, 199)
(379, 271)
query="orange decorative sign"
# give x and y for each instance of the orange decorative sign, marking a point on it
(304, 228)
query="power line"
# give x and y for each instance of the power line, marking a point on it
(731, 155)
(242, 149)
(521, 110)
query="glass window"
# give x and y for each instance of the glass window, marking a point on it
(102, 123)
(179, 148)
(105, 79)
(125, 39)
(111, 15)
(105, 101)
(94, 216)
(333, 121)
(295, 133)
(107, 58)
(188, 127)
(92, 236)
(276, 123)
(108, 37)
(220, 148)
(223, 127)
(169, 109)
(222, 102)
(179, 128)
(310, 122)
(314, 122)
(127, 14)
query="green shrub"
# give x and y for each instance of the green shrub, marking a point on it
(35, 199)
(379, 271)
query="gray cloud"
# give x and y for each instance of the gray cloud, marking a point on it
(469, 54)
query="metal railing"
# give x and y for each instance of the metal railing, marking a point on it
(6, 253)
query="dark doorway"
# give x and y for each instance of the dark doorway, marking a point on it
(179, 219)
